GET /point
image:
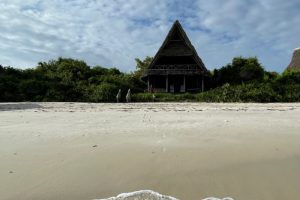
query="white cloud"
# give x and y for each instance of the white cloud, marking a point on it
(114, 32)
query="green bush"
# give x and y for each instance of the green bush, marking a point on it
(162, 97)
(289, 77)
(240, 93)
(142, 97)
(104, 92)
(64, 79)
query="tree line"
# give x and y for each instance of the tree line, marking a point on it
(71, 80)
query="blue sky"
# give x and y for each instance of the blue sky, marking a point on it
(114, 32)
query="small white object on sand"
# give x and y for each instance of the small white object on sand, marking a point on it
(141, 195)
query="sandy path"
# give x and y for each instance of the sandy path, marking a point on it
(186, 150)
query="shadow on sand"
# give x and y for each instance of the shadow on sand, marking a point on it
(18, 106)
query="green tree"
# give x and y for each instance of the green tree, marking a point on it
(142, 66)
(239, 71)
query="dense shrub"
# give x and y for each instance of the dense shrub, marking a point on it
(143, 97)
(163, 97)
(252, 92)
(289, 77)
(104, 92)
(65, 80)
(244, 80)
(241, 70)
(240, 93)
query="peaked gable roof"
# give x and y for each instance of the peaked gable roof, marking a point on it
(183, 35)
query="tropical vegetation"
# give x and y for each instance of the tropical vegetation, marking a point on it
(71, 80)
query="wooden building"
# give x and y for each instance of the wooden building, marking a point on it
(176, 66)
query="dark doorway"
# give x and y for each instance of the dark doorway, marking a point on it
(176, 83)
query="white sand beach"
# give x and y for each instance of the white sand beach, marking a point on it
(191, 151)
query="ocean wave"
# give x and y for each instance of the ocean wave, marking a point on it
(150, 195)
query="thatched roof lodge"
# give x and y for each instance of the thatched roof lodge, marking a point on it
(176, 66)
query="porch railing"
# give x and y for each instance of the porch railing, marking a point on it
(175, 67)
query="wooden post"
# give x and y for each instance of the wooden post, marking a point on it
(202, 83)
(184, 86)
(148, 82)
(167, 83)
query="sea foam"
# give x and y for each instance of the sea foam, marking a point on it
(151, 195)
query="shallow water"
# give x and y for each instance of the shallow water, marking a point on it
(151, 195)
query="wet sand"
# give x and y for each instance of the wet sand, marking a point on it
(76, 151)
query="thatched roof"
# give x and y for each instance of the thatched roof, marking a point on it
(295, 62)
(178, 50)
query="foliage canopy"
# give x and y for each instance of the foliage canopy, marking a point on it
(66, 79)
